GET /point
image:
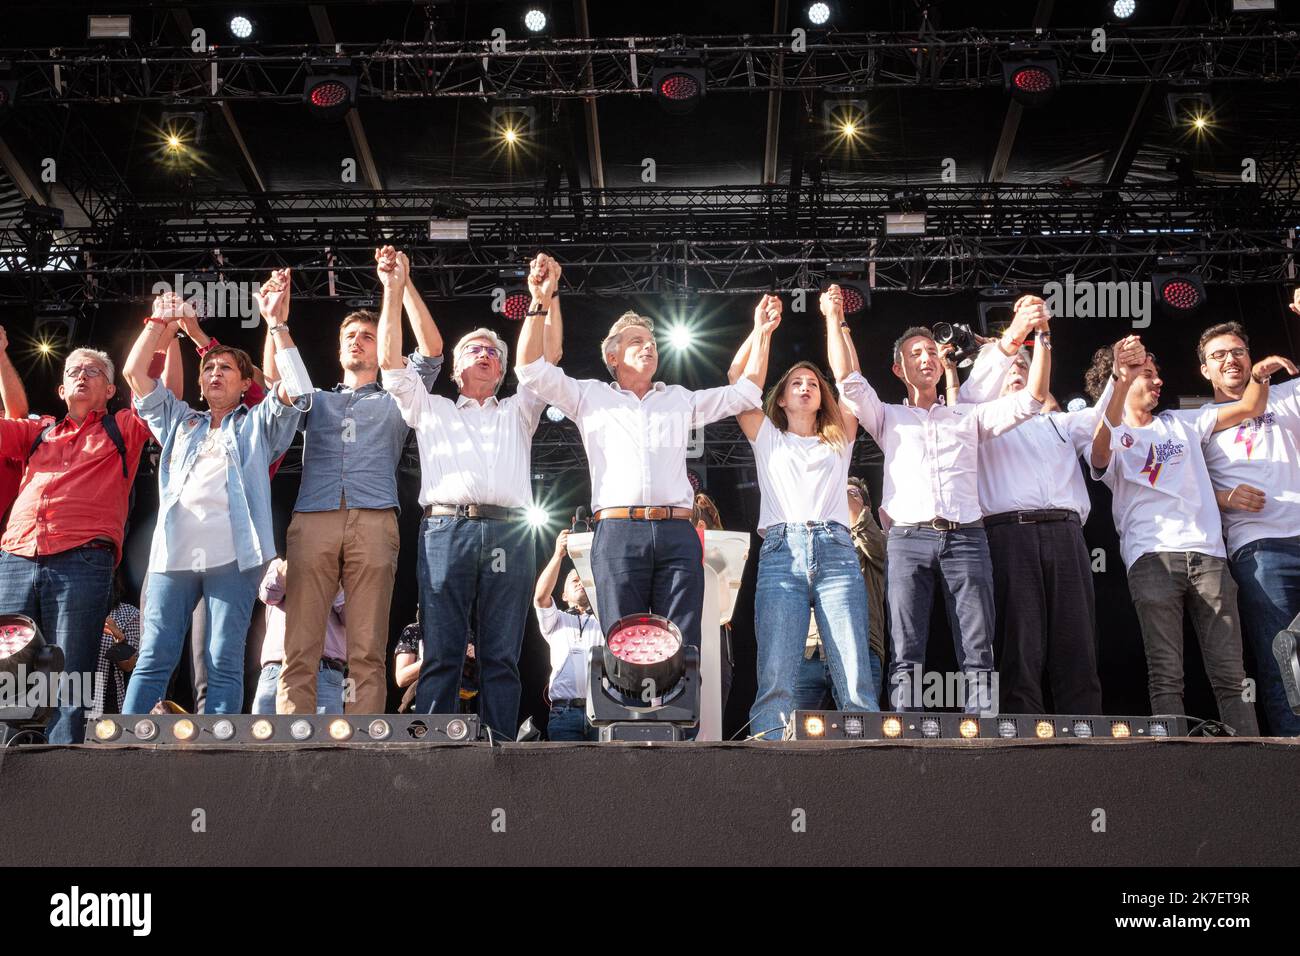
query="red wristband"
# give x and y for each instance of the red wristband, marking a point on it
(204, 350)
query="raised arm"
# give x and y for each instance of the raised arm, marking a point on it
(1040, 367)
(543, 281)
(840, 350)
(1127, 357)
(751, 359)
(273, 302)
(546, 581)
(427, 337)
(553, 338)
(12, 393)
(392, 276)
(157, 335)
(1254, 401)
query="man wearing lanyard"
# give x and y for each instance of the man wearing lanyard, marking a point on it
(646, 556)
(930, 504)
(570, 635)
(475, 487)
(1035, 502)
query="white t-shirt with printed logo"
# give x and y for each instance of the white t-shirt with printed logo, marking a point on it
(800, 478)
(1162, 496)
(1265, 454)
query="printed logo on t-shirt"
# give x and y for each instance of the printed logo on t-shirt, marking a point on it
(1165, 453)
(1249, 432)
(1126, 440)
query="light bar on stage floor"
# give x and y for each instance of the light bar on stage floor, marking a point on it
(196, 730)
(862, 725)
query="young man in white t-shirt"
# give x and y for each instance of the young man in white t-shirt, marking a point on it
(1255, 469)
(1168, 523)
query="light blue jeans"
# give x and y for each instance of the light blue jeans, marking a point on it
(329, 690)
(171, 598)
(801, 566)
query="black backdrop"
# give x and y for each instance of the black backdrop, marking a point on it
(721, 323)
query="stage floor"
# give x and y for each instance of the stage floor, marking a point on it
(1199, 801)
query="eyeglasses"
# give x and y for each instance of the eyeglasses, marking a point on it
(1220, 355)
(89, 371)
(474, 351)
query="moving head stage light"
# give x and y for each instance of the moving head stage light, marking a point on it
(645, 681)
(27, 666)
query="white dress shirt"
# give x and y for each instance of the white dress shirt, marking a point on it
(1034, 467)
(1265, 454)
(1162, 497)
(202, 535)
(570, 636)
(636, 447)
(932, 455)
(471, 453)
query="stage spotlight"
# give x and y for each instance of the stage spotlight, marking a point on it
(851, 278)
(262, 729)
(107, 27)
(24, 655)
(329, 95)
(814, 726)
(184, 730)
(1178, 292)
(145, 730)
(538, 516)
(1082, 728)
(223, 730)
(644, 682)
(107, 730)
(931, 727)
(1157, 728)
(1044, 729)
(379, 729)
(1123, 9)
(553, 414)
(513, 124)
(681, 338)
(844, 117)
(512, 295)
(818, 13)
(1031, 81)
(891, 727)
(1007, 728)
(535, 20)
(644, 652)
(241, 27)
(678, 82)
(1119, 728)
(340, 729)
(969, 728)
(1190, 109)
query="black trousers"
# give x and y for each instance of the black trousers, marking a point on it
(1046, 618)
(654, 566)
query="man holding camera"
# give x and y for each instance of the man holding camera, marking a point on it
(930, 504)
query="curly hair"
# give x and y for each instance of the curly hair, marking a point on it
(1094, 380)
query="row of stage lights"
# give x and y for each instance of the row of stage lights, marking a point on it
(247, 729)
(848, 725)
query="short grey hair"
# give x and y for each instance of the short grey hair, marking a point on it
(625, 321)
(465, 340)
(95, 355)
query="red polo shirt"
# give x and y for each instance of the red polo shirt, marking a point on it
(72, 490)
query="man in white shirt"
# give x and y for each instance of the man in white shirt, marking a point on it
(570, 635)
(1255, 470)
(646, 555)
(1171, 538)
(930, 506)
(1035, 503)
(475, 487)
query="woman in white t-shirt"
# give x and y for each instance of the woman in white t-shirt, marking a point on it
(803, 441)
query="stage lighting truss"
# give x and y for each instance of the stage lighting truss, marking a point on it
(854, 725)
(198, 730)
(678, 80)
(1176, 288)
(1031, 80)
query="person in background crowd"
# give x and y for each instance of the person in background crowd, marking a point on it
(803, 444)
(570, 635)
(333, 663)
(119, 645)
(344, 528)
(64, 535)
(13, 398)
(1035, 503)
(1171, 536)
(409, 654)
(1255, 470)
(930, 508)
(213, 534)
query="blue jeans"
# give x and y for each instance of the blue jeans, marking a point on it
(67, 595)
(803, 565)
(329, 690)
(957, 562)
(654, 566)
(570, 723)
(172, 596)
(812, 685)
(1267, 573)
(481, 564)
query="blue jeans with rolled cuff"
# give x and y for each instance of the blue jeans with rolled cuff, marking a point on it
(801, 566)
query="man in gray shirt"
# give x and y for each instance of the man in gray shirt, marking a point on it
(344, 528)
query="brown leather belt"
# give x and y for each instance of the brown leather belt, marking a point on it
(940, 524)
(640, 513)
(473, 511)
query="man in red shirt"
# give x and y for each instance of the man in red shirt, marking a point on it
(64, 535)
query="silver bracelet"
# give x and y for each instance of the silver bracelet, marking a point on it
(281, 327)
